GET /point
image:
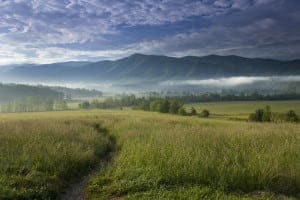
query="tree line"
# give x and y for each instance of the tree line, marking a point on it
(215, 97)
(34, 104)
(155, 104)
(266, 115)
(10, 92)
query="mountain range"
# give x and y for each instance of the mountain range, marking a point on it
(153, 67)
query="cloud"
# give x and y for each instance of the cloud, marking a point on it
(72, 21)
(231, 81)
(59, 30)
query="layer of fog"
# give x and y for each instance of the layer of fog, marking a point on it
(230, 81)
(137, 86)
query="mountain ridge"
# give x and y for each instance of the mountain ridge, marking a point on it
(157, 67)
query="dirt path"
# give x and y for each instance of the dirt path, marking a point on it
(77, 191)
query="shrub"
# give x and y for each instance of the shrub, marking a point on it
(257, 116)
(182, 111)
(154, 105)
(193, 111)
(174, 107)
(164, 106)
(84, 105)
(204, 113)
(291, 116)
(266, 116)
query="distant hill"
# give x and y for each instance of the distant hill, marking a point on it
(152, 67)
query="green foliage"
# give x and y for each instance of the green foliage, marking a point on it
(193, 111)
(262, 115)
(267, 115)
(164, 106)
(154, 105)
(175, 106)
(84, 105)
(291, 116)
(204, 113)
(11, 92)
(257, 116)
(182, 111)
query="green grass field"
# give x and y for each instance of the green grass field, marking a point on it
(242, 109)
(158, 156)
(39, 158)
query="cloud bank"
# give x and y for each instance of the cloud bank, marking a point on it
(60, 30)
(231, 81)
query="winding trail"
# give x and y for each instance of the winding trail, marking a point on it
(77, 191)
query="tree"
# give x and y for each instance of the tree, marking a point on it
(257, 116)
(164, 106)
(174, 107)
(205, 113)
(266, 116)
(291, 116)
(193, 111)
(182, 111)
(154, 105)
(84, 105)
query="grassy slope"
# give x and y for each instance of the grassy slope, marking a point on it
(38, 158)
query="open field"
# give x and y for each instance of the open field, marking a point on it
(159, 156)
(167, 157)
(242, 109)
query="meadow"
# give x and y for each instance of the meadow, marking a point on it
(157, 156)
(39, 158)
(242, 109)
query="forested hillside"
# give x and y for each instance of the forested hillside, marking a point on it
(9, 92)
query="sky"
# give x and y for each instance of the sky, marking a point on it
(47, 31)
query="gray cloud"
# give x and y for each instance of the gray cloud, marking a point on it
(40, 31)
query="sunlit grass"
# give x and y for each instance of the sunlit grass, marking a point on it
(242, 109)
(165, 153)
(39, 157)
(159, 156)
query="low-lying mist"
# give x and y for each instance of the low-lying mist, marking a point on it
(240, 83)
(231, 81)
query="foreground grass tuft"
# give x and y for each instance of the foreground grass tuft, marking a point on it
(38, 158)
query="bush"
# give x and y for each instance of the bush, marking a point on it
(84, 105)
(291, 116)
(161, 106)
(174, 107)
(193, 111)
(164, 106)
(266, 116)
(257, 116)
(182, 111)
(204, 113)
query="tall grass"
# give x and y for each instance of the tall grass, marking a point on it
(163, 153)
(159, 156)
(38, 158)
